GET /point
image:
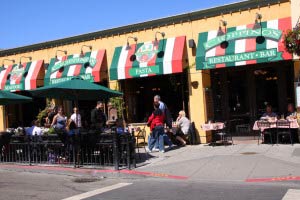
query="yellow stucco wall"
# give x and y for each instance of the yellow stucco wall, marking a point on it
(190, 30)
(2, 118)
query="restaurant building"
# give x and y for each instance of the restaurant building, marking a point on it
(222, 63)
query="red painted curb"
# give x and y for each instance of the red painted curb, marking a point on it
(274, 179)
(133, 172)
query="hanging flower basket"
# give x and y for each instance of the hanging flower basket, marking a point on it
(292, 40)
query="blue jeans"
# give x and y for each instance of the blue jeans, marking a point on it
(166, 141)
(157, 136)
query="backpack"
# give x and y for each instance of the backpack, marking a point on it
(168, 119)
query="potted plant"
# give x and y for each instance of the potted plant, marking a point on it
(292, 40)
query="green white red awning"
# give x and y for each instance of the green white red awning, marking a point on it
(26, 76)
(242, 46)
(164, 56)
(88, 66)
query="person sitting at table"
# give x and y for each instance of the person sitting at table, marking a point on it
(34, 129)
(269, 112)
(183, 125)
(291, 113)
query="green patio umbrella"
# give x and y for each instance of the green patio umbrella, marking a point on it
(76, 89)
(7, 98)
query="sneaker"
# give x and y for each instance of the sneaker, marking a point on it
(155, 149)
(162, 151)
(148, 150)
(170, 148)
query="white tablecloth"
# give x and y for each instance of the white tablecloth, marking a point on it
(212, 126)
(293, 124)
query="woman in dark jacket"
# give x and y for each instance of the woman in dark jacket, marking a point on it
(156, 123)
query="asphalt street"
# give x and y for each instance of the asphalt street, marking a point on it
(23, 185)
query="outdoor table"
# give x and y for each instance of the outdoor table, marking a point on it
(293, 124)
(273, 125)
(213, 126)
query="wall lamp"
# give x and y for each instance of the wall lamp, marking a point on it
(257, 23)
(259, 39)
(81, 49)
(220, 31)
(161, 53)
(5, 59)
(225, 43)
(20, 61)
(130, 37)
(65, 52)
(162, 35)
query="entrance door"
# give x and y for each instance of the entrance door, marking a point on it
(266, 80)
(139, 93)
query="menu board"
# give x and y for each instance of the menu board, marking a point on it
(297, 85)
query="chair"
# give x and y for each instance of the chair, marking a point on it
(242, 129)
(192, 138)
(228, 135)
(140, 134)
(283, 128)
(263, 127)
(224, 134)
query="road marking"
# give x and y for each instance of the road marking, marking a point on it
(274, 179)
(292, 194)
(96, 192)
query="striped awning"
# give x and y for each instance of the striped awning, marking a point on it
(26, 76)
(164, 56)
(88, 66)
(243, 47)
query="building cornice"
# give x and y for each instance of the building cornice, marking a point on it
(192, 16)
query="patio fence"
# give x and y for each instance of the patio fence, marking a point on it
(86, 149)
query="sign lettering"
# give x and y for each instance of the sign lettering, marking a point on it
(270, 54)
(84, 77)
(74, 61)
(144, 70)
(14, 87)
(242, 34)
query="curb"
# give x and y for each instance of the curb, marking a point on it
(94, 172)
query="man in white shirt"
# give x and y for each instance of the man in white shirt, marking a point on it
(76, 118)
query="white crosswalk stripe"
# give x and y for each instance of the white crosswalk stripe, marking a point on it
(292, 194)
(96, 192)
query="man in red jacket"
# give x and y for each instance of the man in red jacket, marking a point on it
(156, 123)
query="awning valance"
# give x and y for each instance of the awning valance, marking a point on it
(26, 76)
(243, 48)
(164, 56)
(88, 66)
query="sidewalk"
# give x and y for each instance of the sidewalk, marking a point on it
(244, 162)
(231, 163)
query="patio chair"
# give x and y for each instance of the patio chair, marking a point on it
(283, 128)
(140, 135)
(224, 135)
(264, 127)
(192, 138)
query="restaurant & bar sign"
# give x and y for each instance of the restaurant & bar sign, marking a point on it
(87, 67)
(243, 45)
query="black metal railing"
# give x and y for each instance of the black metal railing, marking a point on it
(86, 149)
